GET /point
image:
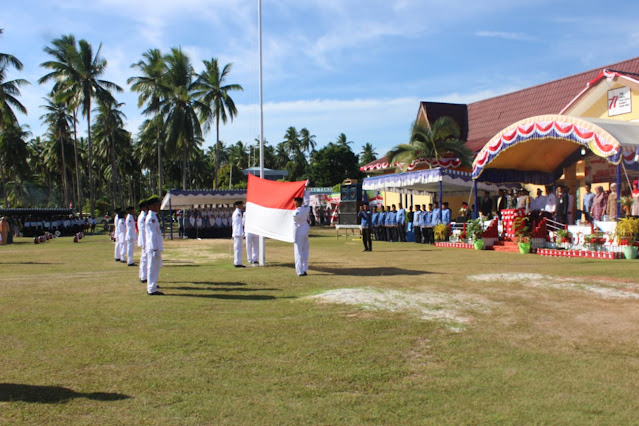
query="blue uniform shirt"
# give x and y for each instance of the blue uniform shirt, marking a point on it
(375, 219)
(446, 216)
(426, 216)
(401, 216)
(365, 218)
(382, 218)
(436, 219)
(392, 218)
(417, 217)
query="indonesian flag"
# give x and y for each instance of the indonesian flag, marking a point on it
(270, 207)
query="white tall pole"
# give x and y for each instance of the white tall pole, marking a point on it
(259, 30)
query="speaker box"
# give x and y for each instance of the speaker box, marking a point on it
(351, 192)
(348, 212)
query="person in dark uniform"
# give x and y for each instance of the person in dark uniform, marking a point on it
(366, 218)
(486, 205)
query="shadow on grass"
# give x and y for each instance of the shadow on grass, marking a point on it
(223, 289)
(205, 283)
(10, 392)
(227, 296)
(28, 263)
(371, 271)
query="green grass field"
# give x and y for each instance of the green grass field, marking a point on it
(407, 334)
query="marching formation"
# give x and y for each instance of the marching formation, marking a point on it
(147, 233)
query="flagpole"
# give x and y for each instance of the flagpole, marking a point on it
(259, 30)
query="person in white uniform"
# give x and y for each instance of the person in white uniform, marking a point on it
(120, 236)
(252, 248)
(154, 246)
(301, 246)
(142, 240)
(238, 234)
(131, 235)
(116, 220)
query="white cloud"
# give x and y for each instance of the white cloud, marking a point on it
(506, 35)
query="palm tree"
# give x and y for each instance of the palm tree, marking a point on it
(63, 50)
(150, 85)
(343, 140)
(13, 156)
(58, 121)
(78, 82)
(9, 89)
(213, 93)
(307, 141)
(433, 142)
(368, 154)
(291, 142)
(179, 107)
(109, 121)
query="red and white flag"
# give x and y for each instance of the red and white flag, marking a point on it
(270, 207)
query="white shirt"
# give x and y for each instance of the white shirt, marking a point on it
(238, 227)
(551, 203)
(131, 233)
(300, 220)
(141, 231)
(153, 232)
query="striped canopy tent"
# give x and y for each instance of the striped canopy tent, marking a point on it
(426, 182)
(177, 199)
(536, 149)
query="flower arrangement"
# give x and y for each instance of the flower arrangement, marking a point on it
(563, 236)
(593, 240)
(625, 201)
(475, 229)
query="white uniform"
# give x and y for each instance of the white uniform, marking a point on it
(252, 247)
(238, 233)
(154, 248)
(130, 237)
(141, 243)
(301, 247)
(115, 237)
(121, 238)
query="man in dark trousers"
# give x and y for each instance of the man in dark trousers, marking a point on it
(366, 218)
(563, 205)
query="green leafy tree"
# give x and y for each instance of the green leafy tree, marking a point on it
(214, 95)
(58, 122)
(333, 164)
(13, 157)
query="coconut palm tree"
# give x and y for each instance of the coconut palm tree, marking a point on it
(183, 131)
(77, 80)
(152, 91)
(368, 154)
(9, 90)
(59, 121)
(108, 122)
(213, 92)
(343, 140)
(13, 156)
(307, 141)
(291, 143)
(434, 141)
(62, 50)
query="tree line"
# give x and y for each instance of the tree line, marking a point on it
(111, 167)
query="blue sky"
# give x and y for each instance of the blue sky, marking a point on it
(358, 67)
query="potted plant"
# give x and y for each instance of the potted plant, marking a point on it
(626, 233)
(593, 241)
(522, 233)
(475, 231)
(440, 232)
(564, 236)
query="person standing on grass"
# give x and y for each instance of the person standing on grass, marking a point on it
(116, 220)
(121, 235)
(131, 235)
(154, 246)
(401, 223)
(142, 240)
(252, 247)
(366, 218)
(301, 246)
(238, 234)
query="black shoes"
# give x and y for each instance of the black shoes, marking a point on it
(303, 274)
(240, 266)
(131, 264)
(143, 281)
(156, 293)
(117, 260)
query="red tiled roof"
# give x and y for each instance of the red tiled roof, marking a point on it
(487, 117)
